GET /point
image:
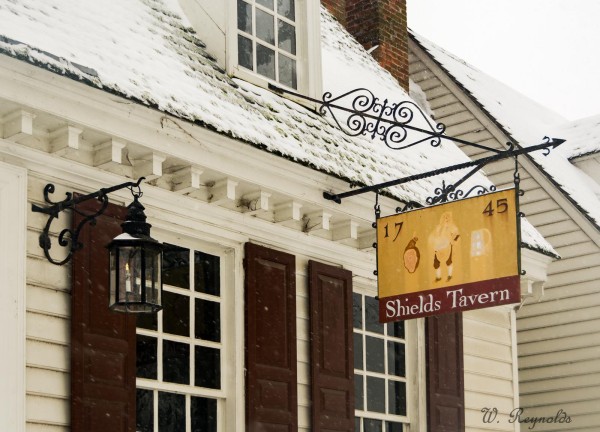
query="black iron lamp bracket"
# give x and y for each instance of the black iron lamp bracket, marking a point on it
(69, 237)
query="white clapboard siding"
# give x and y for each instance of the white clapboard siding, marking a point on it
(47, 383)
(48, 410)
(572, 290)
(558, 340)
(41, 427)
(565, 304)
(576, 250)
(582, 381)
(489, 372)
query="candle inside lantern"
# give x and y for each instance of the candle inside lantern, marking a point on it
(127, 278)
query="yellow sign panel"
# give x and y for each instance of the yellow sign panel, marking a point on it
(456, 244)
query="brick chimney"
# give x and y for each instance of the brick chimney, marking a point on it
(380, 24)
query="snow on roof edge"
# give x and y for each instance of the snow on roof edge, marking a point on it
(494, 120)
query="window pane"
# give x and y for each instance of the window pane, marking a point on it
(356, 424)
(176, 266)
(396, 362)
(244, 11)
(376, 395)
(287, 71)
(265, 26)
(207, 277)
(176, 362)
(147, 321)
(358, 351)
(393, 427)
(208, 320)
(286, 8)
(265, 3)
(208, 367)
(171, 412)
(357, 310)
(146, 357)
(372, 315)
(286, 36)
(176, 314)
(396, 329)
(204, 414)
(144, 407)
(245, 52)
(372, 425)
(359, 393)
(397, 397)
(265, 61)
(375, 354)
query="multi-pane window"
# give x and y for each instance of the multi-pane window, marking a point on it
(266, 39)
(379, 369)
(179, 359)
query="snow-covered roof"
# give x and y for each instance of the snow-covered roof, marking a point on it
(145, 51)
(527, 123)
(583, 136)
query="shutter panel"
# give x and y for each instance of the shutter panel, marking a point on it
(445, 374)
(332, 358)
(271, 381)
(103, 366)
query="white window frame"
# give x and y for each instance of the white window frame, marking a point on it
(308, 50)
(416, 379)
(230, 396)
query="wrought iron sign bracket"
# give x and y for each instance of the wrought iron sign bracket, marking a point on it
(442, 194)
(69, 238)
(391, 122)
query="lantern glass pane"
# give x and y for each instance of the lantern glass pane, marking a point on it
(130, 278)
(113, 276)
(152, 269)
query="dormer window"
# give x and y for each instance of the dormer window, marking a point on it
(266, 39)
(276, 42)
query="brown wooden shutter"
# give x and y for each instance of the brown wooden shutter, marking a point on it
(271, 381)
(103, 366)
(445, 374)
(332, 358)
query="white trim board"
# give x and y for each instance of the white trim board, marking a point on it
(13, 226)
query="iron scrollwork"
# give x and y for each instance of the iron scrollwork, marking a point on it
(451, 193)
(69, 237)
(389, 121)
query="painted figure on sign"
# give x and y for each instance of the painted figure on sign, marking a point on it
(442, 240)
(412, 256)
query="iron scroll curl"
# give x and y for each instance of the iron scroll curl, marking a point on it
(68, 238)
(391, 122)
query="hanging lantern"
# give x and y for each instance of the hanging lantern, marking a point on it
(135, 265)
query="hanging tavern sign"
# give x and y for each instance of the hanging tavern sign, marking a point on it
(448, 258)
